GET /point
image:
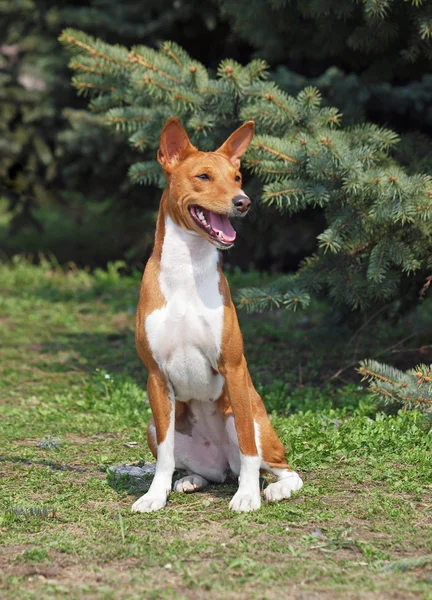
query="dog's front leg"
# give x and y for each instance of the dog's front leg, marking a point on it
(162, 403)
(248, 495)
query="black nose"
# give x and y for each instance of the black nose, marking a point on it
(242, 203)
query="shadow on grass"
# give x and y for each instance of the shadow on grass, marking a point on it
(113, 352)
(55, 466)
(130, 481)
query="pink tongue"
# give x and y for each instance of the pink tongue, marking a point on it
(221, 223)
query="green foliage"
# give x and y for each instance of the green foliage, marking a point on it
(114, 395)
(276, 295)
(379, 218)
(29, 61)
(53, 146)
(379, 37)
(411, 389)
(35, 555)
(56, 158)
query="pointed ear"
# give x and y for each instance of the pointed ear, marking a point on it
(238, 142)
(174, 145)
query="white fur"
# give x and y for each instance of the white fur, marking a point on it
(248, 495)
(190, 483)
(160, 487)
(287, 483)
(185, 335)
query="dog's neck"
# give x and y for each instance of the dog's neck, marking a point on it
(184, 255)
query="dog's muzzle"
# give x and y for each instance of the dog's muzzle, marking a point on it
(241, 205)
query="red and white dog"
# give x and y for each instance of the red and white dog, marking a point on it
(208, 418)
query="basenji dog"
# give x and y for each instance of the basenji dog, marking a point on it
(208, 420)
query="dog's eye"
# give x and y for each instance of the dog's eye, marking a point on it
(204, 177)
(237, 178)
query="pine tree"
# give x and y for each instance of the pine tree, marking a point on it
(410, 389)
(378, 236)
(378, 38)
(56, 156)
(28, 62)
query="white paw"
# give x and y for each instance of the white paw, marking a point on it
(245, 502)
(283, 488)
(189, 484)
(149, 503)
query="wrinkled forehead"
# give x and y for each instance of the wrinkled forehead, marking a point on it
(208, 162)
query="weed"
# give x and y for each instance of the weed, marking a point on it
(34, 555)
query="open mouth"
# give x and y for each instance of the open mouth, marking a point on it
(218, 227)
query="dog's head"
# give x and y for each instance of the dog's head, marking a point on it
(205, 188)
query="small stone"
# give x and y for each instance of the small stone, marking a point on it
(137, 478)
(317, 533)
(49, 443)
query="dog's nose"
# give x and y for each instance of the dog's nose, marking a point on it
(242, 203)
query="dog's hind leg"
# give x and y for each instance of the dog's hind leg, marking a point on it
(273, 455)
(190, 483)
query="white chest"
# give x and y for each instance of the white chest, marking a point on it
(185, 335)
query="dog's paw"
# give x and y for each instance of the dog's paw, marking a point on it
(149, 503)
(245, 502)
(283, 488)
(190, 483)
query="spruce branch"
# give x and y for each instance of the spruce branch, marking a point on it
(425, 287)
(147, 173)
(149, 61)
(264, 144)
(411, 389)
(287, 292)
(175, 52)
(128, 118)
(87, 44)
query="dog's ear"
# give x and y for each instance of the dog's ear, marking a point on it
(238, 142)
(174, 145)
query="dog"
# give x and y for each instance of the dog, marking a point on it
(208, 420)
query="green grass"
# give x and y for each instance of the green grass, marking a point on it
(72, 394)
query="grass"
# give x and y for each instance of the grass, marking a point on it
(72, 396)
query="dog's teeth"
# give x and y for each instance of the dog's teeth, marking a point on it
(200, 216)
